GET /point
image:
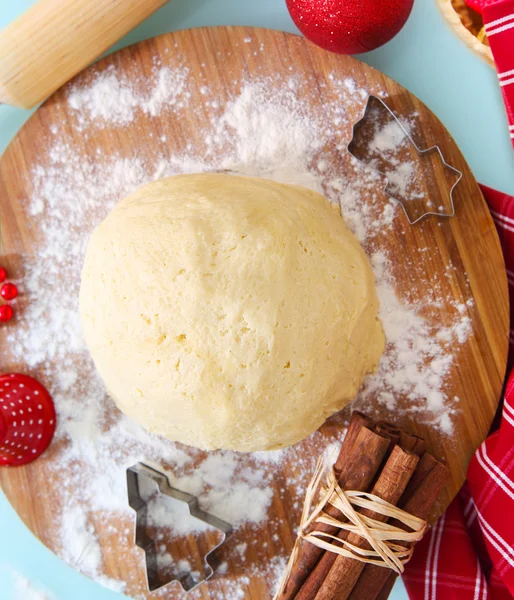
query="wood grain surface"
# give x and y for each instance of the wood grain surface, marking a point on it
(463, 260)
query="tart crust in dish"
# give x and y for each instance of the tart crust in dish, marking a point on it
(468, 25)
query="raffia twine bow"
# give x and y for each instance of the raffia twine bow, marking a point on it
(380, 536)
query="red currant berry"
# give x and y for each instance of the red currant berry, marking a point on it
(3, 274)
(9, 291)
(6, 313)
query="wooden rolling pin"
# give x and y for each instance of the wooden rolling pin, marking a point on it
(51, 42)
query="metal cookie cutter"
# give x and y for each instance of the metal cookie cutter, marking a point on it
(373, 104)
(188, 580)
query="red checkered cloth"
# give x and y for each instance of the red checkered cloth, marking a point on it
(469, 553)
(499, 27)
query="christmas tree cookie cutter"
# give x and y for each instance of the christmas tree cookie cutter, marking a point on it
(373, 104)
(189, 580)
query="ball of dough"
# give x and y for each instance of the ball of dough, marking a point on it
(229, 312)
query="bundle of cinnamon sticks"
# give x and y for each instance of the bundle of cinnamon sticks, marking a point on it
(392, 465)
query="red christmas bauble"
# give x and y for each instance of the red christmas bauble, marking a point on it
(349, 26)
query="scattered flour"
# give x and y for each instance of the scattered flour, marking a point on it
(388, 152)
(225, 487)
(416, 361)
(112, 99)
(261, 131)
(388, 138)
(164, 560)
(277, 141)
(183, 565)
(400, 179)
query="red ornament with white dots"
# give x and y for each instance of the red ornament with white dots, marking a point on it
(349, 26)
(27, 419)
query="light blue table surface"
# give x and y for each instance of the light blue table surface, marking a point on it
(425, 57)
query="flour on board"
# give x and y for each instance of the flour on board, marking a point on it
(261, 131)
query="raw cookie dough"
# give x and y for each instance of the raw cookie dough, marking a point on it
(229, 312)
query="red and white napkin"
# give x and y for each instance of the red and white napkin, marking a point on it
(499, 28)
(498, 18)
(469, 553)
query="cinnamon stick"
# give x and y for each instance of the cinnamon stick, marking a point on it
(418, 499)
(413, 443)
(389, 431)
(357, 422)
(387, 589)
(393, 435)
(344, 571)
(388, 475)
(423, 471)
(407, 441)
(384, 426)
(357, 473)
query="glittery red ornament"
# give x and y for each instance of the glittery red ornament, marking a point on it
(3, 274)
(9, 291)
(6, 313)
(349, 26)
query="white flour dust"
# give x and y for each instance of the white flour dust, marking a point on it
(111, 99)
(261, 131)
(387, 138)
(404, 176)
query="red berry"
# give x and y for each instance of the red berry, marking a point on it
(6, 313)
(27, 419)
(3, 274)
(9, 291)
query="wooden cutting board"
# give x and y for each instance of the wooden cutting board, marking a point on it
(464, 257)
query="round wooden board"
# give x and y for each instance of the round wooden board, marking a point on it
(464, 258)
